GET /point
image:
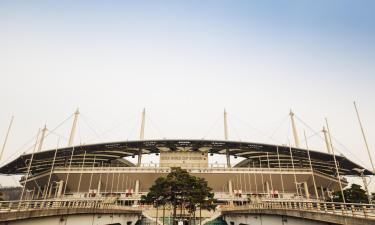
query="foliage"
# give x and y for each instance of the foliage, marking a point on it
(180, 189)
(354, 194)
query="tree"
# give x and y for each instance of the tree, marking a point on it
(156, 195)
(180, 189)
(354, 194)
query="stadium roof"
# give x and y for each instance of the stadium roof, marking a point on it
(255, 154)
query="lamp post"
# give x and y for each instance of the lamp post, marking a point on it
(365, 184)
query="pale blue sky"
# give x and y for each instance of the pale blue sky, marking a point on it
(185, 61)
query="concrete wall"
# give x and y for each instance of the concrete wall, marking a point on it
(259, 219)
(83, 219)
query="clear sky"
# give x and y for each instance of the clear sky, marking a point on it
(185, 61)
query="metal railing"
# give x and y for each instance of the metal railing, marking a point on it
(343, 209)
(189, 169)
(26, 205)
(366, 211)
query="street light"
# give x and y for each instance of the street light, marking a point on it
(361, 172)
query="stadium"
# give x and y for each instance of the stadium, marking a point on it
(103, 171)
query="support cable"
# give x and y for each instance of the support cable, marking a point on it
(211, 127)
(333, 138)
(31, 147)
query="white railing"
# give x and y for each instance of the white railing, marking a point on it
(343, 209)
(26, 205)
(191, 169)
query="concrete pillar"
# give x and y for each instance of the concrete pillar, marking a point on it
(230, 188)
(37, 194)
(268, 189)
(307, 193)
(60, 188)
(136, 188)
(99, 185)
(323, 196)
(50, 190)
(44, 193)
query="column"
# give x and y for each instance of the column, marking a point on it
(230, 190)
(99, 185)
(136, 188)
(60, 188)
(306, 190)
(268, 189)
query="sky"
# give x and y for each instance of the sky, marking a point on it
(185, 61)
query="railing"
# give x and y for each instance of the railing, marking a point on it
(26, 205)
(366, 211)
(343, 209)
(189, 169)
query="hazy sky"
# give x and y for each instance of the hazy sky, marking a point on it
(185, 61)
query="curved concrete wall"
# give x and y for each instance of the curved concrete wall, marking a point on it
(262, 219)
(81, 219)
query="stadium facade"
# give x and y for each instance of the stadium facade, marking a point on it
(102, 170)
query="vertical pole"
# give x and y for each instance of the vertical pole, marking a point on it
(281, 174)
(136, 188)
(67, 175)
(269, 169)
(126, 182)
(92, 173)
(255, 180)
(261, 173)
(141, 136)
(295, 133)
(6, 138)
(29, 166)
(80, 175)
(311, 168)
(245, 189)
(307, 193)
(249, 177)
(240, 193)
(294, 171)
(73, 131)
(118, 181)
(52, 167)
(322, 190)
(334, 158)
(364, 137)
(106, 182)
(226, 137)
(142, 131)
(237, 186)
(100, 179)
(32, 197)
(230, 188)
(42, 138)
(113, 178)
(122, 182)
(326, 140)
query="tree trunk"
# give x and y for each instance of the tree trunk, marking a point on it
(157, 212)
(174, 213)
(200, 215)
(181, 210)
(163, 213)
